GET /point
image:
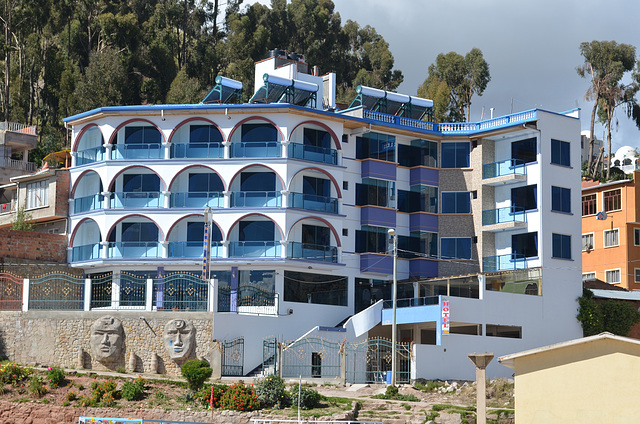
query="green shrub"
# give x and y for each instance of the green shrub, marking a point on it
(66, 403)
(391, 391)
(205, 393)
(108, 399)
(196, 372)
(309, 398)
(99, 389)
(55, 377)
(36, 386)
(271, 392)
(71, 396)
(14, 373)
(239, 397)
(132, 391)
(87, 401)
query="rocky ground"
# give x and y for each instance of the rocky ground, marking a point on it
(440, 402)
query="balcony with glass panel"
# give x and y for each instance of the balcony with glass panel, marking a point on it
(86, 252)
(256, 140)
(313, 202)
(506, 262)
(94, 154)
(197, 151)
(312, 252)
(504, 219)
(256, 199)
(198, 200)
(88, 203)
(313, 153)
(137, 200)
(509, 171)
(254, 249)
(134, 249)
(138, 142)
(192, 249)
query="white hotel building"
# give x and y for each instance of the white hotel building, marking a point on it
(301, 197)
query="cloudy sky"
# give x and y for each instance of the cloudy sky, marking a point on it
(532, 47)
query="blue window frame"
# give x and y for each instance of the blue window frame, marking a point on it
(132, 183)
(456, 202)
(525, 197)
(560, 152)
(142, 135)
(257, 181)
(560, 199)
(204, 134)
(455, 155)
(561, 246)
(376, 146)
(455, 248)
(525, 245)
(525, 150)
(256, 231)
(138, 232)
(316, 186)
(204, 183)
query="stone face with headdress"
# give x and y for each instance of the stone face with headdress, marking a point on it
(179, 338)
(107, 338)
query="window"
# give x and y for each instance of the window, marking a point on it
(455, 248)
(588, 276)
(372, 239)
(589, 205)
(204, 134)
(612, 200)
(316, 138)
(421, 198)
(456, 202)
(455, 155)
(256, 133)
(257, 181)
(636, 275)
(560, 199)
(375, 192)
(611, 238)
(419, 153)
(316, 186)
(142, 135)
(612, 276)
(315, 288)
(138, 232)
(195, 232)
(587, 242)
(508, 331)
(524, 150)
(560, 152)
(256, 231)
(204, 183)
(524, 245)
(636, 236)
(37, 194)
(140, 183)
(525, 197)
(376, 146)
(315, 234)
(561, 246)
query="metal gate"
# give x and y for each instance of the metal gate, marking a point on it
(370, 360)
(233, 357)
(311, 357)
(270, 356)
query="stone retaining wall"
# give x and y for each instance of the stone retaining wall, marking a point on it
(56, 338)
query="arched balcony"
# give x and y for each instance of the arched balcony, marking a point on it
(90, 146)
(256, 139)
(186, 239)
(197, 139)
(313, 240)
(137, 187)
(134, 237)
(255, 236)
(197, 187)
(313, 143)
(137, 140)
(87, 195)
(312, 189)
(256, 187)
(86, 242)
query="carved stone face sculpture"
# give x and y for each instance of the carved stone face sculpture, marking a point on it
(107, 337)
(179, 338)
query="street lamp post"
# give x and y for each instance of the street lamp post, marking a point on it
(394, 326)
(207, 243)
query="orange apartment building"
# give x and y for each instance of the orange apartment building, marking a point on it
(611, 232)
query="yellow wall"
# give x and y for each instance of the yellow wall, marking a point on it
(595, 382)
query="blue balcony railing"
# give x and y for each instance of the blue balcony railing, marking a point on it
(256, 149)
(504, 215)
(134, 249)
(95, 154)
(504, 262)
(213, 199)
(88, 203)
(86, 252)
(411, 301)
(137, 151)
(506, 167)
(256, 199)
(197, 151)
(313, 252)
(151, 199)
(192, 249)
(254, 249)
(313, 203)
(313, 153)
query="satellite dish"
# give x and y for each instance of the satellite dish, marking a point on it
(601, 216)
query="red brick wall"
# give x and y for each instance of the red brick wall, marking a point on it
(63, 182)
(33, 246)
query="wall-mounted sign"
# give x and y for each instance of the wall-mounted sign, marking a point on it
(446, 314)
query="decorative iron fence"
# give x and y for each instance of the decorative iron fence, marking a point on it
(233, 357)
(370, 361)
(57, 291)
(180, 292)
(311, 357)
(248, 298)
(118, 291)
(10, 292)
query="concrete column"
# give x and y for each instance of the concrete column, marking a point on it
(107, 199)
(149, 298)
(25, 295)
(481, 286)
(69, 254)
(481, 360)
(285, 198)
(216, 360)
(227, 199)
(283, 249)
(107, 151)
(166, 199)
(105, 249)
(285, 148)
(343, 363)
(225, 249)
(227, 149)
(74, 158)
(115, 292)
(167, 150)
(87, 294)
(212, 296)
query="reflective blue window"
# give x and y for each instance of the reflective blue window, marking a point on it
(560, 152)
(376, 146)
(142, 135)
(258, 133)
(257, 181)
(204, 134)
(456, 202)
(455, 155)
(316, 186)
(525, 197)
(560, 199)
(204, 183)
(317, 138)
(138, 232)
(315, 234)
(140, 183)
(455, 248)
(195, 232)
(561, 246)
(525, 245)
(524, 150)
(256, 231)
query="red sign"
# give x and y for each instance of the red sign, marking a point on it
(446, 314)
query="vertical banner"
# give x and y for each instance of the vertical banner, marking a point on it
(205, 256)
(446, 314)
